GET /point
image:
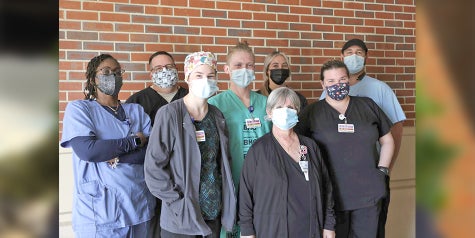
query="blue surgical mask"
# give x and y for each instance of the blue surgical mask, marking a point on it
(284, 118)
(166, 78)
(354, 63)
(109, 84)
(203, 88)
(242, 77)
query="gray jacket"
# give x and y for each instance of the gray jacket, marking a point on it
(172, 170)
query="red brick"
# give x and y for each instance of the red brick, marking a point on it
(364, 29)
(313, 3)
(97, 6)
(143, 37)
(82, 15)
(97, 26)
(189, 12)
(253, 24)
(332, 4)
(65, 44)
(63, 4)
(80, 35)
(288, 34)
(144, 2)
(159, 29)
(227, 5)
(146, 19)
(159, 11)
(213, 31)
(114, 37)
(69, 25)
(277, 25)
(288, 18)
(201, 22)
(343, 13)
(214, 13)
(70, 86)
(203, 4)
(311, 19)
(194, 39)
(174, 3)
(385, 31)
(393, 8)
(129, 27)
(174, 20)
(300, 10)
(333, 20)
(114, 17)
(239, 15)
(99, 46)
(254, 7)
(264, 33)
(353, 5)
(264, 16)
(279, 42)
(158, 47)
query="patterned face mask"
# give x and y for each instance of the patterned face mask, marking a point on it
(166, 78)
(338, 91)
(109, 84)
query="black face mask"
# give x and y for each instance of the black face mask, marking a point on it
(279, 76)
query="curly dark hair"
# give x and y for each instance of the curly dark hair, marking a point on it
(90, 88)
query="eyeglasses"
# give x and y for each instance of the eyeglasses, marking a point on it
(159, 68)
(108, 71)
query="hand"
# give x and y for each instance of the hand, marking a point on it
(143, 139)
(328, 234)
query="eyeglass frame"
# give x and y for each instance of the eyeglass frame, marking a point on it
(168, 66)
(116, 73)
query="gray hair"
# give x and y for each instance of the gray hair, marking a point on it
(281, 94)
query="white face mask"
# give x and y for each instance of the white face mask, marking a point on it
(284, 118)
(242, 77)
(354, 63)
(203, 88)
(166, 78)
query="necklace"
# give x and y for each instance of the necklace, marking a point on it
(294, 154)
(114, 110)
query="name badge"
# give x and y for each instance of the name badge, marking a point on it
(304, 167)
(346, 128)
(200, 136)
(253, 123)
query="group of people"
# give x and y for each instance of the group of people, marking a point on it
(173, 162)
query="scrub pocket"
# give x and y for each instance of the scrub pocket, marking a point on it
(100, 201)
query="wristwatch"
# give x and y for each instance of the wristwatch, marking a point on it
(138, 141)
(383, 169)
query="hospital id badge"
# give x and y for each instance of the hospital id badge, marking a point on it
(346, 128)
(253, 123)
(304, 167)
(200, 136)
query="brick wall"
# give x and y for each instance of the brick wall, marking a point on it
(308, 31)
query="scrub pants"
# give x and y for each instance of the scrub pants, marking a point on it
(383, 215)
(358, 223)
(141, 230)
(214, 225)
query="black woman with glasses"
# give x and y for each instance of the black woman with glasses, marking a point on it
(164, 88)
(109, 141)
